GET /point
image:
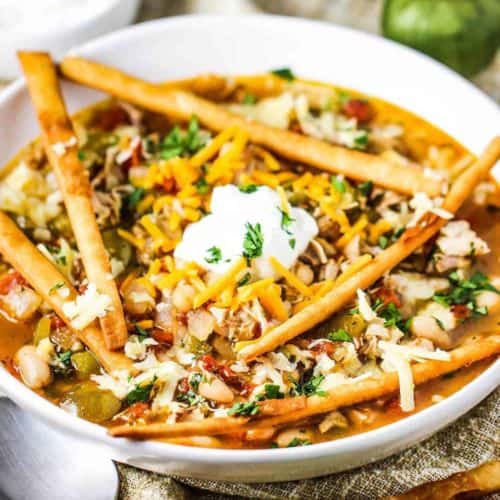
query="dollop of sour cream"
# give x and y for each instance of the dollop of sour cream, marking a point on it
(217, 240)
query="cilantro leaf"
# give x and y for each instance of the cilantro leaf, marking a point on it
(134, 198)
(246, 409)
(249, 188)
(202, 186)
(292, 242)
(246, 279)
(286, 221)
(141, 332)
(285, 73)
(366, 188)
(298, 442)
(65, 358)
(253, 241)
(340, 336)
(140, 394)
(177, 143)
(338, 184)
(214, 255)
(56, 287)
(383, 242)
(309, 386)
(271, 391)
(464, 292)
(249, 99)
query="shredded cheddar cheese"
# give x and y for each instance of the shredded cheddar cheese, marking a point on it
(134, 240)
(220, 284)
(290, 278)
(353, 231)
(270, 298)
(210, 150)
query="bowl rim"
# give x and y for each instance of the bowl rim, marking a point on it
(434, 417)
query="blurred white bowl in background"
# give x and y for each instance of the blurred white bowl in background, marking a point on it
(56, 25)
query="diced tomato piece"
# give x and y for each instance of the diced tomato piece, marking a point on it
(11, 280)
(169, 185)
(388, 296)
(208, 363)
(327, 347)
(246, 388)
(359, 109)
(163, 336)
(183, 385)
(137, 410)
(56, 323)
(461, 312)
(136, 155)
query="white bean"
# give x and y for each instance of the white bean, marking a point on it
(488, 299)
(183, 296)
(293, 437)
(216, 390)
(201, 324)
(34, 371)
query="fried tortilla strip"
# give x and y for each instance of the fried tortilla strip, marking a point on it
(46, 279)
(207, 427)
(473, 483)
(411, 240)
(342, 396)
(388, 383)
(218, 88)
(181, 105)
(61, 146)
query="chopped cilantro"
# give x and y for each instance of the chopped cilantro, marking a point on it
(340, 336)
(285, 73)
(249, 99)
(366, 188)
(246, 409)
(273, 445)
(214, 255)
(439, 323)
(249, 188)
(271, 391)
(246, 279)
(253, 241)
(309, 387)
(140, 394)
(65, 358)
(177, 143)
(383, 241)
(286, 221)
(292, 242)
(61, 259)
(338, 184)
(81, 155)
(464, 292)
(134, 198)
(194, 380)
(392, 316)
(202, 186)
(397, 234)
(298, 442)
(57, 286)
(361, 140)
(141, 332)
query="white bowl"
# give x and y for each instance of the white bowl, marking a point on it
(178, 47)
(59, 39)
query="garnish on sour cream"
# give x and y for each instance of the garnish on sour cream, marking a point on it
(243, 219)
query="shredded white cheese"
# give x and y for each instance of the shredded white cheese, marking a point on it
(87, 307)
(365, 310)
(422, 204)
(397, 358)
(60, 147)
